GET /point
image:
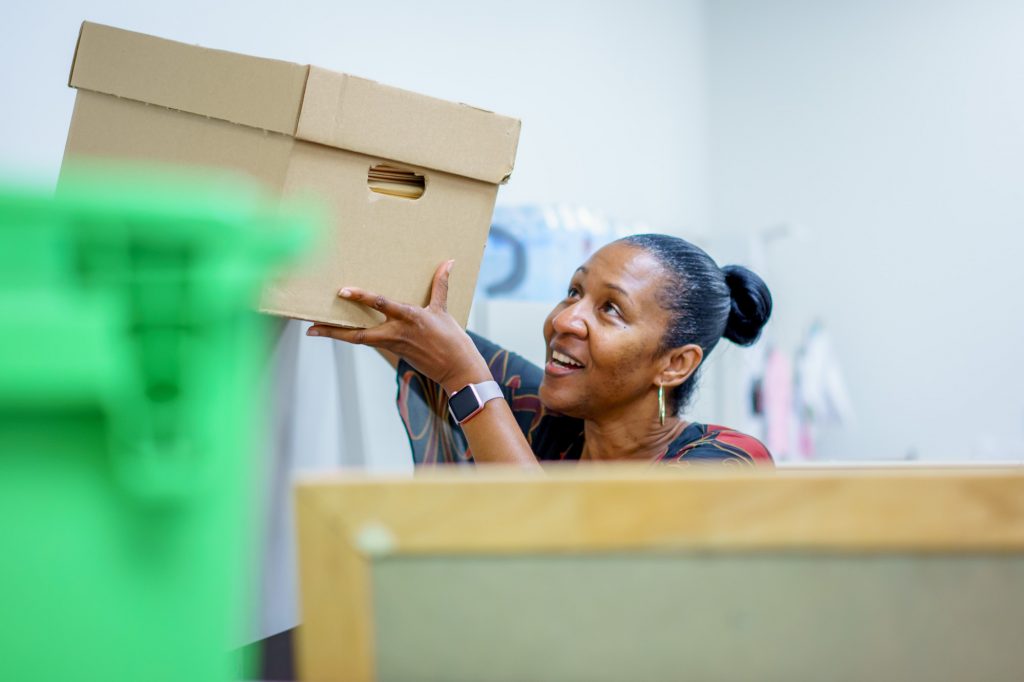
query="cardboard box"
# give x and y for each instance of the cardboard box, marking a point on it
(363, 147)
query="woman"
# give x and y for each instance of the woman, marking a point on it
(623, 352)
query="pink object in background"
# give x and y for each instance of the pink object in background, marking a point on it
(778, 403)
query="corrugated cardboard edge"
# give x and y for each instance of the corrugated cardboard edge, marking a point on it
(74, 57)
(342, 322)
(515, 152)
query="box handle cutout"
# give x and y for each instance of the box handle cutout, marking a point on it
(395, 182)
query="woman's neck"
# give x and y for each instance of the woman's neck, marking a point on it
(629, 438)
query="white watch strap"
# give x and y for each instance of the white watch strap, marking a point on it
(488, 390)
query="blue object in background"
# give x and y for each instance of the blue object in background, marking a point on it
(533, 250)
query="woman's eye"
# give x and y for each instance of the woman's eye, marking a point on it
(573, 292)
(611, 309)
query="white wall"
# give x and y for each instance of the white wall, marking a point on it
(891, 135)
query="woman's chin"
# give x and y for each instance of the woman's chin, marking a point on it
(554, 400)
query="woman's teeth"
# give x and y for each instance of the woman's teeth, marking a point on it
(563, 359)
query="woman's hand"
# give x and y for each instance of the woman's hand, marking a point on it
(428, 338)
(436, 345)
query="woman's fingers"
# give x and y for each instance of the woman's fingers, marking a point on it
(391, 309)
(370, 337)
(400, 314)
(439, 289)
(402, 311)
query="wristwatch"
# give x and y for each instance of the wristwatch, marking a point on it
(467, 401)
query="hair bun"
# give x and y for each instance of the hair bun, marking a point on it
(751, 305)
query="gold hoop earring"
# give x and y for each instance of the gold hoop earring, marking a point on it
(661, 404)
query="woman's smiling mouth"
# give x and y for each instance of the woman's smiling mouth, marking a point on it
(562, 364)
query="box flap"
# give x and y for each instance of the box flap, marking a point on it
(257, 92)
(364, 116)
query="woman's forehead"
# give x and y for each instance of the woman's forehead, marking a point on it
(627, 265)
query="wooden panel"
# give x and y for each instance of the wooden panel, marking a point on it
(336, 591)
(625, 508)
(352, 520)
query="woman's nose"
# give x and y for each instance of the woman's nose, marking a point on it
(570, 321)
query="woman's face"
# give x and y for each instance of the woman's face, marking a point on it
(603, 338)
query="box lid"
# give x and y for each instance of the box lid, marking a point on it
(262, 93)
(348, 112)
(307, 102)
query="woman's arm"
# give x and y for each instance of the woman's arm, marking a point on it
(433, 342)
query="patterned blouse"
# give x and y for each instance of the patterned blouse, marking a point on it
(436, 437)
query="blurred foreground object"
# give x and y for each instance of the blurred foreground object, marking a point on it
(128, 358)
(625, 573)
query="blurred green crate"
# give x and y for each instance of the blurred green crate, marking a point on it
(128, 446)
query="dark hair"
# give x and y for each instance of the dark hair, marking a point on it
(706, 302)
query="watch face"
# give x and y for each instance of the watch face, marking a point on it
(463, 403)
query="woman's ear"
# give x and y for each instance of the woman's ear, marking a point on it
(679, 364)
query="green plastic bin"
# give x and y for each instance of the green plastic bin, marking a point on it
(129, 451)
